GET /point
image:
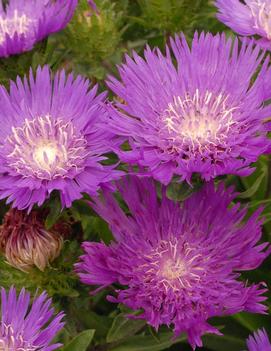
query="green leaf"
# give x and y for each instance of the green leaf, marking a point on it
(265, 202)
(123, 327)
(180, 191)
(253, 189)
(256, 184)
(249, 321)
(80, 342)
(91, 320)
(54, 214)
(224, 343)
(148, 343)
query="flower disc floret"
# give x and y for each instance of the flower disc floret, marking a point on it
(46, 148)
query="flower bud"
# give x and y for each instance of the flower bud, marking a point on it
(26, 243)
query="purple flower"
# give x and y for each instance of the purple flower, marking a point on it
(259, 341)
(23, 23)
(25, 328)
(204, 116)
(50, 139)
(179, 264)
(249, 18)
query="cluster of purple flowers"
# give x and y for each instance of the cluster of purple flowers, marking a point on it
(199, 109)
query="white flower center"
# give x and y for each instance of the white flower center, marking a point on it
(16, 24)
(197, 121)
(172, 269)
(46, 148)
(45, 155)
(173, 264)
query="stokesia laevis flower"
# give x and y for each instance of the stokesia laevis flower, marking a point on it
(259, 341)
(28, 328)
(23, 23)
(179, 264)
(50, 139)
(205, 116)
(25, 242)
(253, 17)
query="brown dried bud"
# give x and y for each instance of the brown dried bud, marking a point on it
(25, 242)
